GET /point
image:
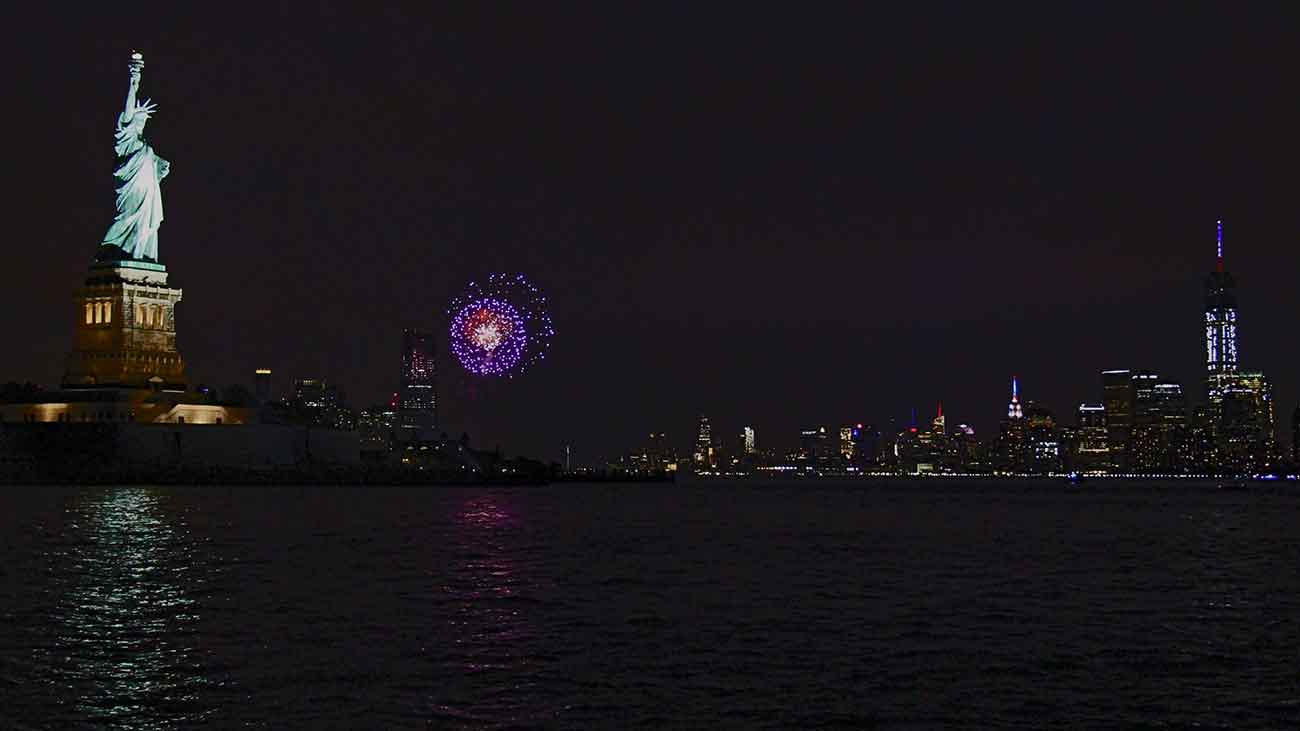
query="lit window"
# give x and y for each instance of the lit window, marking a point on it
(90, 313)
(108, 312)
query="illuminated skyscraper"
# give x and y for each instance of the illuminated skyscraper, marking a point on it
(1090, 449)
(1117, 396)
(1013, 409)
(1246, 438)
(846, 443)
(1220, 326)
(704, 457)
(1159, 441)
(747, 437)
(417, 400)
(1010, 450)
(1242, 419)
(1042, 440)
(935, 446)
(375, 427)
(318, 403)
(966, 449)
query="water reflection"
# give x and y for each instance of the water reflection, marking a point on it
(123, 651)
(486, 581)
(492, 631)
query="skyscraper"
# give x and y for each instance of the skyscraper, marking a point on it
(866, 445)
(1117, 396)
(1159, 441)
(747, 437)
(417, 400)
(1240, 402)
(1246, 436)
(316, 402)
(846, 442)
(1042, 440)
(704, 457)
(1220, 326)
(966, 449)
(262, 385)
(1009, 454)
(1090, 450)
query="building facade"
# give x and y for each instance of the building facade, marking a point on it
(1242, 422)
(418, 397)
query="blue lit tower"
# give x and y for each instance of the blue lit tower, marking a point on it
(1220, 327)
(1010, 448)
(1013, 409)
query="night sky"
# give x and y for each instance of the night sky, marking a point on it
(781, 219)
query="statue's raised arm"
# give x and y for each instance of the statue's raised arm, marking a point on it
(139, 174)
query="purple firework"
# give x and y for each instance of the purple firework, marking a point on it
(500, 328)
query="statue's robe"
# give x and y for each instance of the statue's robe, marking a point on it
(139, 195)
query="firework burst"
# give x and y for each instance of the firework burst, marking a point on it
(500, 327)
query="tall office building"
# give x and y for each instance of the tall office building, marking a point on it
(1010, 449)
(935, 445)
(417, 400)
(966, 449)
(375, 428)
(816, 444)
(749, 446)
(262, 385)
(316, 402)
(1090, 449)
(1117, 397)
(866, 445)
(1013, 409)
(704, 457)
(1042, 440)
(1160, 440)
(846, 443)
(1240, 402)
(1246, 435)
(1220, 326)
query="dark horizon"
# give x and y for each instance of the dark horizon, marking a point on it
(773, 220)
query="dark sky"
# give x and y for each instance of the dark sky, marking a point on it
(776, 218)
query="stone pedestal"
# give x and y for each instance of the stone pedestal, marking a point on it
(126, 329)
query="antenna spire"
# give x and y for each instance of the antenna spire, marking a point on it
(1220, 248)
(1013, 409)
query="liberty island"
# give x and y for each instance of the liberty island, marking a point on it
(125, 406)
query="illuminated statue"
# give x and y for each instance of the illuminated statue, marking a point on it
(139, 173)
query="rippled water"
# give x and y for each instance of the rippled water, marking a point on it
(898, 606)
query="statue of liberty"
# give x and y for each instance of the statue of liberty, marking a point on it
(139, 173)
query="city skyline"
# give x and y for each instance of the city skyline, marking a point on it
(1146, 424)
(856, 234)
